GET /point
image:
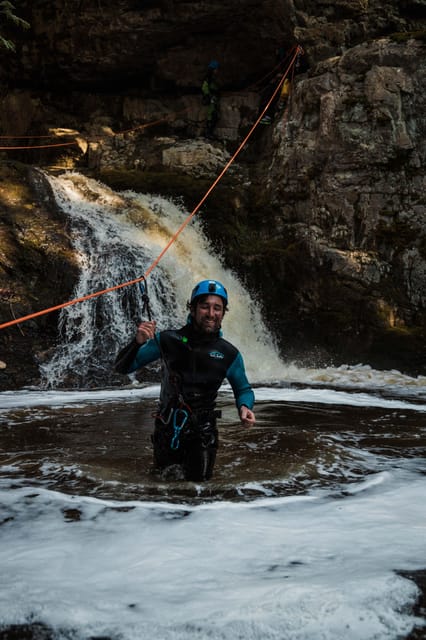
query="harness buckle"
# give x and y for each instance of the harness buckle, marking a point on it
(180, 418)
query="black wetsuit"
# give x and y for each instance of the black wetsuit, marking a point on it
(211, 96)
(194, 367)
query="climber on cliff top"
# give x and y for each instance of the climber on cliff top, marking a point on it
(210, 91)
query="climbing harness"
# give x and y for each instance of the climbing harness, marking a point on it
(180, 418)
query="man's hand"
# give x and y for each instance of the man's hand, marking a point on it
(145, 331)
(247, 416)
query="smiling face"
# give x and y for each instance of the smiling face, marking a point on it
(207, 313)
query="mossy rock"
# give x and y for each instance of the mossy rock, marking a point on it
(38, 270)
(404, 36)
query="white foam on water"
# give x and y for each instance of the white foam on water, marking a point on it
(304, 567)
(134, 393)
(359, 376)
(333, 397)
(59, 397)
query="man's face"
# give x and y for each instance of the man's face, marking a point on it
(208, 314)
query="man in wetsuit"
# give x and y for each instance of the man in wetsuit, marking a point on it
(210, 91)
(196, 360)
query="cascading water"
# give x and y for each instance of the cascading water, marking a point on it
(117, 236)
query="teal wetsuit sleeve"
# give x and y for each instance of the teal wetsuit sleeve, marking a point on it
(148, 352)
(237, 378)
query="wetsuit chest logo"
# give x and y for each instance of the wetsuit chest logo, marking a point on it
(217, 355)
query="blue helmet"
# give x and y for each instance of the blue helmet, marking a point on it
(213, 64)
(209, 287)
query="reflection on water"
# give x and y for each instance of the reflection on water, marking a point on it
(105, 449)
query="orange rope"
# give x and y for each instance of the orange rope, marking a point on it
(176, 234)
(43, 146)
(65, 144)
(52, 135)
(257, 83)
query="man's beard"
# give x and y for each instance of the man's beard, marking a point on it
(206, 327)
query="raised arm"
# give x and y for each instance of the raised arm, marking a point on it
(142, 350)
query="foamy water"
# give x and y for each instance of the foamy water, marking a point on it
(300, 567)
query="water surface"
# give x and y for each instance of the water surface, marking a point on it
(308, 530)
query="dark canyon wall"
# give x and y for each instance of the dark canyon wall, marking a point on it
(323, 212)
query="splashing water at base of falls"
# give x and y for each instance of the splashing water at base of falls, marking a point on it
(117, 236)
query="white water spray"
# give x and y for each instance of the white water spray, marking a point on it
(117, 236)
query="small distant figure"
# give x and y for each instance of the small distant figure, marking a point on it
(278, 103)
(211, 98)
(265, 96)
(284, 95)
(282, 57)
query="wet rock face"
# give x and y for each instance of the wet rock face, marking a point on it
(37, 267)
(346, 177)
(105, 45)
(161, 46)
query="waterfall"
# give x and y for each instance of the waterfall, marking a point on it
(117, 236)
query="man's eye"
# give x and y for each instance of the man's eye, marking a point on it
(206, 307)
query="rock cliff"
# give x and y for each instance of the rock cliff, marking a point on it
(323, 213)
